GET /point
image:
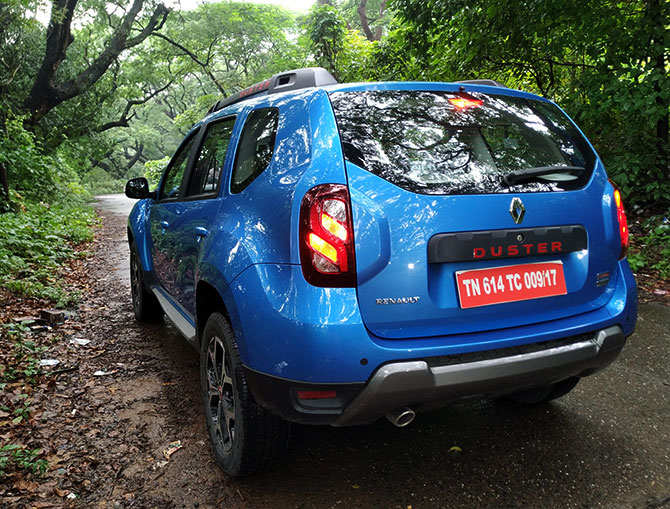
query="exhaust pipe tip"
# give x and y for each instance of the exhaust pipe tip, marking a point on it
(401, 417)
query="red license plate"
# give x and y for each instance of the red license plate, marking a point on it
(483, 287)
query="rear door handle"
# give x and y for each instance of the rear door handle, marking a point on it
(201, 232)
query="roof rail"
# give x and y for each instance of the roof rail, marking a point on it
(281, 82)
(490, 83)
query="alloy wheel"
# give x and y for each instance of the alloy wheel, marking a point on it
(135, 280)
(220, 394)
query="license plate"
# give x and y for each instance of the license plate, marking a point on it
(496, 285)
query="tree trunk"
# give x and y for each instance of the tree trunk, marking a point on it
(659, 53)
(4, 182)
(46, 94)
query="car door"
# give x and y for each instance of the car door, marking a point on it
(165, 215)
(199, 207)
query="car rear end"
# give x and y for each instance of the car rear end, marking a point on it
(483, 222)
(473, 247)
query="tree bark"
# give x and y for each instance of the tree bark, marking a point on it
(136, 157)
(4, 182)
(362, 13)
(365, 22)
(658, 50)
(46, 94)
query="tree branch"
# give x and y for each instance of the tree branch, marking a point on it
(364, 20)
(45, 93)
(194, 57)
(126, 116)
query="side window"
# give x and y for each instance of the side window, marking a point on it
(257, 144)
(207, 170)
(175, 172)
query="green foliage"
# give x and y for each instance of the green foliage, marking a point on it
(326, 29)
(14, 456)
(19, 357)
(605, 62)
(653, 249)
(345, 53)
(35, 242)
(195, 112)
(153, 170)
(29, 172)
(97, 181)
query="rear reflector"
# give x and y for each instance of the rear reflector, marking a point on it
(316, 394)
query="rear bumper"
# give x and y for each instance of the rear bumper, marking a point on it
(412, 383)
(438, 381)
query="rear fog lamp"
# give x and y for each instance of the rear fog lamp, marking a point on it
(302, 395)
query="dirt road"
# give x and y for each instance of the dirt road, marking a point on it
(607, 444)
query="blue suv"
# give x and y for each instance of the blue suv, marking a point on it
(342, 252)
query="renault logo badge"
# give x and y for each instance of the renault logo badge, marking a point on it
(517, 210)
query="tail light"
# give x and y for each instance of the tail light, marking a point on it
(327, 237)
(623, 222)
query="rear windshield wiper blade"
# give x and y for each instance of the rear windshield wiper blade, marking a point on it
(530, 173)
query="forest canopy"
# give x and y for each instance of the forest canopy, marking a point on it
(104, 91)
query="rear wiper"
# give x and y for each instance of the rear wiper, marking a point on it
(530, 173)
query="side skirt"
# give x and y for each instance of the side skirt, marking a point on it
(179, 317)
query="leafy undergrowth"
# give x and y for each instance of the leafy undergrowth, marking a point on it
(20, 374)
(40, 248)
(36, 241)
(649, 254)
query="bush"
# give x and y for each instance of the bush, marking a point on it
(30, 173)
(36, 241)
(98, 181)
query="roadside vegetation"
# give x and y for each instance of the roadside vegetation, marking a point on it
(104, 91)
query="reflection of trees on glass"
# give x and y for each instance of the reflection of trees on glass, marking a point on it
(175, 173)
(256, 147)
(207, 170)
(421, 142)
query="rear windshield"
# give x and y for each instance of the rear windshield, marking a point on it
(455, 143)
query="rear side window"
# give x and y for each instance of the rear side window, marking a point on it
(256, 147)
(448, 143)
(175, 173)
(207, 170)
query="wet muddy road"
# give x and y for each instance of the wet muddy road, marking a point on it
(607, 444)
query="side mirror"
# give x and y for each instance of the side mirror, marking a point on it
(138, 189)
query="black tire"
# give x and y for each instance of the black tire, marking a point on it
(145, 305)
(544, 394)
(248, 439)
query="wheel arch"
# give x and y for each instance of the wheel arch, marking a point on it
(210, 299)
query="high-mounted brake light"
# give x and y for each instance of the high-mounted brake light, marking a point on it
(623, 222)
(463, 103)
(326, 237)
